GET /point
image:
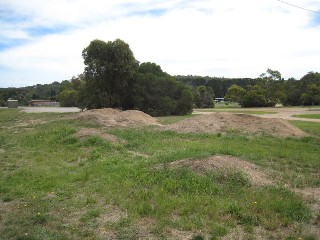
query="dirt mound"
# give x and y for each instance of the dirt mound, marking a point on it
(88, 132)
(112, 117)
(255, 174)
(230, 122)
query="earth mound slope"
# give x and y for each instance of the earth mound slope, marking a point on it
(256, 175)
(239, 123)
(109, 117)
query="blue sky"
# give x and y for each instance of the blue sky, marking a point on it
(42, 41)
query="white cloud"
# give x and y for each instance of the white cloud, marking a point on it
(216, 38)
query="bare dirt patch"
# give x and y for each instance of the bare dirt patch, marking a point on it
(9, 207)
(238, 123)
(112, 117)
(88, 132)
(313, 193)
(312, 197)
(145, 228)
(178, 234)
(256, 175)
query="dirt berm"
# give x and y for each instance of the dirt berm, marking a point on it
(209, 123)
(237, 123)
(109, 117)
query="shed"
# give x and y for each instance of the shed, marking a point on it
(12, 103)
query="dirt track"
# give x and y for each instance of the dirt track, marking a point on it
(49, 109)
(283, 113)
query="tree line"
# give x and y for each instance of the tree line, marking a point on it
(267, 90)
(114, 78)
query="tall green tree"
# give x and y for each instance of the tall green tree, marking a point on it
(272, 84)
(235, 93)
(311, 96)
(110, 66)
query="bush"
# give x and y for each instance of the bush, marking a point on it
(158, 94)
(254, 99)
(68, 98)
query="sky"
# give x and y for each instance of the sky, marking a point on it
(42, 41)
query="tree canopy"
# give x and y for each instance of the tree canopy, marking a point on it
(109, 68)
(235, 93)
(159, 94)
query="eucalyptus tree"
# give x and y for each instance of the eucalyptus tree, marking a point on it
(110, 66)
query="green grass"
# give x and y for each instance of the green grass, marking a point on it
(309, 127)
(312, 116)
(172, 119)
(54, 185)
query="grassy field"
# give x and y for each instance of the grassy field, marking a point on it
(313, 116)
(312, 128)
(55, 185)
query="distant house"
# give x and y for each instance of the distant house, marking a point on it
(219, 99)
(12, 103)
(43, 103)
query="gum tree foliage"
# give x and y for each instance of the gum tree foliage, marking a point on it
(203, 97)
(235, 93)
(220, 85)
(311, 96)
(297, 92)
(158, 94)
(110, 66)
(254, 97)
(68, 98)
(271, 84)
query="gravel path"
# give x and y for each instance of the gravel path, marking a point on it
(287, 114)
(49, 109)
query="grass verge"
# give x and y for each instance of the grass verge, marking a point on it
(312, 116)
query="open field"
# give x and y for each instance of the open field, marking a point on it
(70, 177)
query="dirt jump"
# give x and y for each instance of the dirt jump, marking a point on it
(109, 117)
(210, 123)
(236, 123)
